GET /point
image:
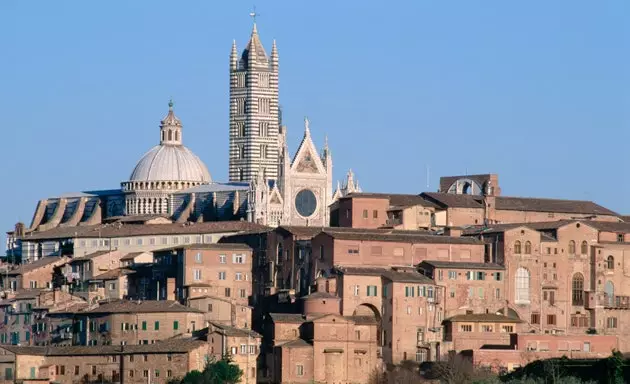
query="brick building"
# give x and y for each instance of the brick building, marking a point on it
(31, 276)
(157, 363)
(242, 345)
(130, 322)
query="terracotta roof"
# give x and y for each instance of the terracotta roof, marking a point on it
(452, 200)
(124, 230)
(90, 256)
(461, 265)
(148, 306)
(217, 246)
(407, 237)
(233, 331)
(287, 317)
(551, 205)
(131, 256)
(40, 263)
(300, 231)
(297, 343)
(395, 199)
(391, 274)
(321, 295)
(483, 318)
(625, 218)
(113, 274)
(164, 346)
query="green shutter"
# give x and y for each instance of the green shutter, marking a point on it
(144, 325)
(157, 325)
(176, 325)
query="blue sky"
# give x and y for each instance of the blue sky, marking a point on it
(536, 91)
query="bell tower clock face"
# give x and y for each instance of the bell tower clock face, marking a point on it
(306, 203)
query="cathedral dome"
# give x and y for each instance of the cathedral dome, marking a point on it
(170, 163)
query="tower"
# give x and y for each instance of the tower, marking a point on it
(254, 118)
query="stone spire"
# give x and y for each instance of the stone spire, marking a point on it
(274, 57)
(254, 54)
(171, 128)
(233, 56)
(307, 130)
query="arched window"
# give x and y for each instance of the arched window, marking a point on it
(279, 256)
(522, 286)
(610, 262)
(584, 249)
(577, 287)
(517, 247)
(528, 247)
(571, 247)
(176, 135)
(609, 290)
(170, 134)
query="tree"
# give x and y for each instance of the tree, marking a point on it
(222, 371)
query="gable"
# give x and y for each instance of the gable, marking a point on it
(306, 159)
(306, 163)
(275, 197)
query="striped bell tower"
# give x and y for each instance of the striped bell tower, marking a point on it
(254, 119)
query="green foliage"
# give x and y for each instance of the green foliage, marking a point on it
(222, 371)
(614, 365)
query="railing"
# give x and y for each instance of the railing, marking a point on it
(601, 299)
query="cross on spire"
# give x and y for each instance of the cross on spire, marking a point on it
(253, 15)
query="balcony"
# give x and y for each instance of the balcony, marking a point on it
(601, 299)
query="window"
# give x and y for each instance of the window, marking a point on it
(263, 151)
(222, 259)
(228, 292)
(440, 275)
(522, 286)
(357, 335)
(169, 373)
(384, 291)
(365, 213)
(197, 274)
(452, 275)
(238, 259)
(517, 247)
(528, 247)
(112, 286)
(238, 276)
(497, 276)
(610, 262)
(144, 325)
(611, 322)
(371, 290)
(356, 290)
(535, 318)
(243, 293)
(584, 248)
(452, 292)
(549, 296)
(497, 293)
(299, 370)
(157, 325)
(209, 307)
(145, 373)
(198, 257)
(221, 275)
(410, 292)
(620, 237)
(571, 247)
(175, 325)
(578, 289)
(551, 319)
(507, 328)
(480, 292)
(486, 328)
(263, 106)
(465, 328)
(263, 129)
(375, 214)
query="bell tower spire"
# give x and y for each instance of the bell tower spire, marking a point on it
(254, 120)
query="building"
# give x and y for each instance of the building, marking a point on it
(126, 322)
(157, 363)
(242, 345)
(30, 276)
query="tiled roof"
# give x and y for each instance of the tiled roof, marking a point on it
(407, 237)
(551, 205)
(124, 230)
(233, 331)
(625, 218)
(148, 306)
(287, 317)
(297, 343)
(164, 346)
(217, 246)
(301, 231)
(391, 274)
(113, 274)
(90, 256)
(452, 200)
(43, 262)
(395, 199)
(483, 318)
(320, 295)
(461, 265)
(131, 256)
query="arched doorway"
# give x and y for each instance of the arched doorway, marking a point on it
(368, 310)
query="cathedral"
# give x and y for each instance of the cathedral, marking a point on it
(266, 184)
